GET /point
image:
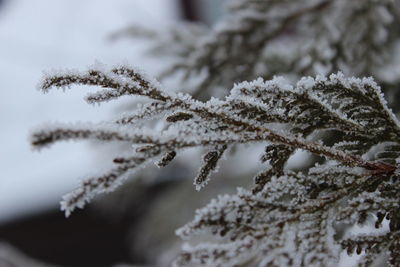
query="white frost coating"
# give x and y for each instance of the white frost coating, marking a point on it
(211, 212)
(91, 187)
(277, 83)
(148, 111)
(305, 84)
(104, 72)
(95, 131)
(54, 73)
(230, 254)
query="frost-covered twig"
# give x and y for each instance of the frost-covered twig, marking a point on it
(306, 204)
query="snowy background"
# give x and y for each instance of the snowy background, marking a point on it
(45, 34)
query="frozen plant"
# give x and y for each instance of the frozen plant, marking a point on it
(288, 218)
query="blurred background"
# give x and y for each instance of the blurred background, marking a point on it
(56, 34)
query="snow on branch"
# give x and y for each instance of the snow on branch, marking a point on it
(253, 225)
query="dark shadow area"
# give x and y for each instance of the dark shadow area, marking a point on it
(80, 241)
(96, 236)
(3, 4)
(205, 12)
(191, 10)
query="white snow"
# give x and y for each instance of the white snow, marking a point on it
(45, 34)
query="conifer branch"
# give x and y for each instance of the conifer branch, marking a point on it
(249, 114)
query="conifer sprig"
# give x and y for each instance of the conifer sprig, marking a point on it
(289, 217)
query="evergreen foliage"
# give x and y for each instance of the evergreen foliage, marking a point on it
(288, 218)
